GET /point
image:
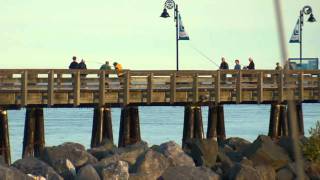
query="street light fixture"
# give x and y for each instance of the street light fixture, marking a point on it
(170, 4)
(306, 10)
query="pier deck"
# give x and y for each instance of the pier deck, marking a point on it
(68, 88)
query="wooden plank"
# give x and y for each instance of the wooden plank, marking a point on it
(51, 88)
(260, 87)
(238, 88)
(217, 87)
(126, 88)
(150, 88)
(173, 87)
(102, 88)
(301, 90)
(280, 86)
(76, 88)
(24, 88)
(195, 89)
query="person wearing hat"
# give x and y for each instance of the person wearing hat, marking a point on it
(118, 68)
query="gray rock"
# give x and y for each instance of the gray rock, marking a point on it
(131, 153)
(65, 168)
(266, 172)
(263, 151)
(285, 174)
(56, 156)
(105, 162)
(141, 176)
(226, 163)
(36, 167)
(152, 163)
(243, 172)
(175, 154)
(116, 171)
(189, 173)
(203, 151)
(246, 162)
(11, 173)
(105, 150)
(87, 173)
(237, 144)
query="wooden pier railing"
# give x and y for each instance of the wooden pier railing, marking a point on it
(58, 87)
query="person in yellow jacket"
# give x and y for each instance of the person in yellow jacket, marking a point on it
(118, 68)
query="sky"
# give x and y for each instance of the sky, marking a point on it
(46, 34)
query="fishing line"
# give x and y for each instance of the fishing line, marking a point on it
(203, 55)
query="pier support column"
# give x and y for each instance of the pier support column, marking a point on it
(283, 124)
(34, 134)
(129, 132)
(274, 121)
(216, 125)
(299, 119)
(193, 126)
(101, 126)
(4, 137)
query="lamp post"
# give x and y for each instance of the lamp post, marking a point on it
(306, 10)
(170, 4)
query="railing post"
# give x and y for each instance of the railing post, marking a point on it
(126, 88)
(24, 88)
(238, 87)
(51, 88)
(195, 88)
(301, 90)
(260, 87)
(76, 89)
(173, 88)
(217, 87)
(102, 88)
(280, 86)
(150, 88)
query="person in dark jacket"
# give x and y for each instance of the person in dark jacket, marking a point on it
(237, 65)
(82, 66)
(251, 64)
(74, 64)
(224, 64)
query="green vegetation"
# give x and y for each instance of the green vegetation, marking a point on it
(311, 149)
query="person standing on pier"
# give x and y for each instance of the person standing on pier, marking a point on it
(106, 67)
(82, 66)
(74, 64)
(251, 64)
(237, 66)
(224, 64)
(118, 68)
(278, 67)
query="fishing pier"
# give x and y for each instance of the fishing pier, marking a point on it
(35, 89)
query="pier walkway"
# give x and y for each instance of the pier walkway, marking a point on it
(36, 89)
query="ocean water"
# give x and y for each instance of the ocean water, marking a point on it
(158, 124)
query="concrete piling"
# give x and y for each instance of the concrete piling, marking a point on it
(129, 132)
(34, 134)
(101, 126)
(193, 125)
(4, 137)
(283, 125)
(212, 122)
(221, 130)
(274, 121)
(300, 118)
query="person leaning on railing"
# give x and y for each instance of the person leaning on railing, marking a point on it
(118, 68)
(106, 67)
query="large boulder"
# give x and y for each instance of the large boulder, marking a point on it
(116, 171)
(263, 151)
(152, 163)
(75, 152)
(203, 151)
(105, 150)
(237, 144)
(266, 172)
(11, 173)
(189, 173)
(87, 173)
(131, 153)
(175, 154)
(223, 163)
(36, 167)
(242, 172)
(285, 174)
(105, 162)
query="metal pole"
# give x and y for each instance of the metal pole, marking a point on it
(177, 34)
(301, 23)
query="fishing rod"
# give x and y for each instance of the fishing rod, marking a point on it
(203, 55)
